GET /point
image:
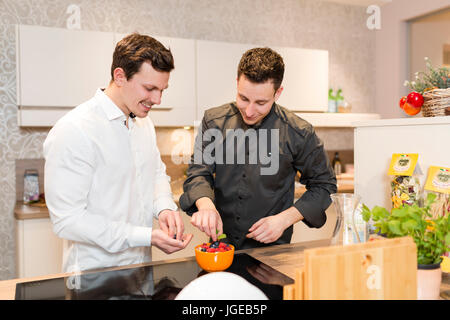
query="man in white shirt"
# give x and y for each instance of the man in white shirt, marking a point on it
(104, 178)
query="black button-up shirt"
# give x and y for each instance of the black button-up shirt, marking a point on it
(241, 191)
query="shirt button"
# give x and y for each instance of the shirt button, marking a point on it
(244, 175)
(240, 197)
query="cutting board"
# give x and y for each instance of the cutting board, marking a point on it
(382, 269)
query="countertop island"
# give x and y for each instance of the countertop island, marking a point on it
(283, 258)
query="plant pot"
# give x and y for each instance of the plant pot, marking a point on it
(429, 277)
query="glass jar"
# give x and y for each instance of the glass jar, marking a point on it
(30, 186)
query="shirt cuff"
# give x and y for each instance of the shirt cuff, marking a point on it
(140, 237)
(163, 204)
(312, 206)
(188, 198)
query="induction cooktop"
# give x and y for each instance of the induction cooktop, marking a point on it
(157, 282)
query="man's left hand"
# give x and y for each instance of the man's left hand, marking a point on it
(267, 230)
(270, 229)
(171, 223)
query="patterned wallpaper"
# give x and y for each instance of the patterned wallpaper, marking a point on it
(341, 29)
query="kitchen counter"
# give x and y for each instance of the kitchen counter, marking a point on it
(283, 258)
(23, 211)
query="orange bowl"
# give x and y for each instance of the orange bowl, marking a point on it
(214, 261)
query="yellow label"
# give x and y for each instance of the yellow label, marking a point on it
(403, 164)
(438, 179)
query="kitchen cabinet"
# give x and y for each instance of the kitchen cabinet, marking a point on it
(217, 64)
(57, 69)
(39, 251)
(178, 102)
(305, 80)
(377, 140)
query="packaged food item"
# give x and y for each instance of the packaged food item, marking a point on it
(405, 183)
(438, 182)
(30, 186)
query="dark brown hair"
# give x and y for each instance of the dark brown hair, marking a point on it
(135, 49)
(262, 64)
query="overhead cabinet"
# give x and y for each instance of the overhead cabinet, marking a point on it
(305, 80)
(57, 69)
(217, 64)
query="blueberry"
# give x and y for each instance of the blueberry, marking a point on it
(215, 244)
(203, 249)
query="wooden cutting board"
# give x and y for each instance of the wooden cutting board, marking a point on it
(382, 269)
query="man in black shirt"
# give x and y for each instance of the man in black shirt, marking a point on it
(241, 177)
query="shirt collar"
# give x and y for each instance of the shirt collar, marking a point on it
(111, 110)
(258, 125)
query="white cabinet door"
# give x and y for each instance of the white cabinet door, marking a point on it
(61, 68)
(217, 64)
(177, 106)
(305, 79)
(39, 250)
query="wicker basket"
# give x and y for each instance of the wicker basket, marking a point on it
(437, 103)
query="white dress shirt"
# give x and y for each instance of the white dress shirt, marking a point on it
(104, 183)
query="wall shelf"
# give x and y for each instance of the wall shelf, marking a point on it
(336, 120)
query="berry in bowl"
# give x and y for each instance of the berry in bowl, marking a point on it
(216, 256)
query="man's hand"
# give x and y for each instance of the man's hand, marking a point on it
(270, 229)
(171, 223)
(167, 244)
(207, 218)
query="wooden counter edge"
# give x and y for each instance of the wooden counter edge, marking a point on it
(24, 212)
(8, 287)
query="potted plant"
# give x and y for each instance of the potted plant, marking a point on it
(430, 92)
(431, 235)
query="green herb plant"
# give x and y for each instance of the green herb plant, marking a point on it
(431, 78)
(432, 236)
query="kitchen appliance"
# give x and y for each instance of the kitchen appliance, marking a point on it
(153, 282)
